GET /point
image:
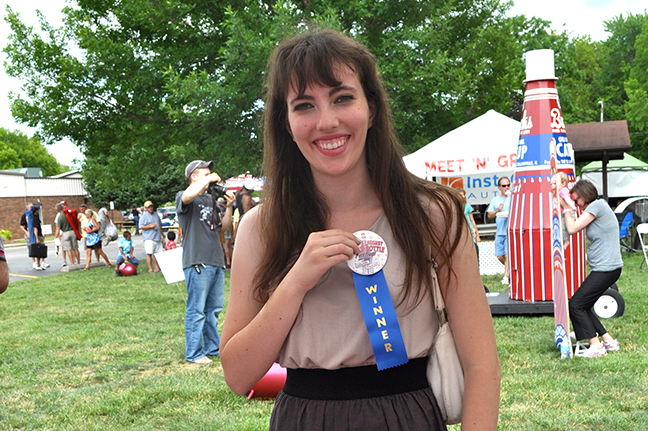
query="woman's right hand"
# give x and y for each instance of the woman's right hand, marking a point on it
(253, 331)
(323, 250)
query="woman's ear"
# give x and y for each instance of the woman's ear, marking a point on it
(289, 130)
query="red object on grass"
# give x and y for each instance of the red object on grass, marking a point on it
(127, 269)
(270, 384)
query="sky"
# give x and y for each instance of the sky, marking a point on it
(579, 17)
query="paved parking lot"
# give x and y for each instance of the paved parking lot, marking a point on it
(20, 264)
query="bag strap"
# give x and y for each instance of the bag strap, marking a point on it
(439, 304)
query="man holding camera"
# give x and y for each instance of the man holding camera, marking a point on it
(203, 259)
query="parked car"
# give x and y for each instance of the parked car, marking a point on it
(168, 217)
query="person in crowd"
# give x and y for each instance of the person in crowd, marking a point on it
(66, 222)
(57, 236)
(104, 218)
(202, 260)
(4, 269)
(468, 213)
(334, 171)
(57, 246)
(24, 227)
(93, 239)
(226, 235)
(499, 209)
(36, 235)
(135, 212)
(170, 245)
(243, 204)
(83, 223)
(244, 201)
(126, 251)
(152, 233)
(604, 258)
(560, 181)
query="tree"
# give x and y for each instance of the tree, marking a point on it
(636, 87)
(8, 157)
(143, 87)
(577, 85)
(17, 150)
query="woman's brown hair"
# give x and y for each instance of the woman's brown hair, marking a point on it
(292, 207)
(586, 190)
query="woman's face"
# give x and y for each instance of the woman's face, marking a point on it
(579, 201)
(329, 125)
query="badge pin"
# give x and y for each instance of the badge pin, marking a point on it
(373, 253)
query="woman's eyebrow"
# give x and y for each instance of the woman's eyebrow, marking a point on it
(341, 88)
(332, 91)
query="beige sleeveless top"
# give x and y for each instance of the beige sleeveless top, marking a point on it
(329, 331)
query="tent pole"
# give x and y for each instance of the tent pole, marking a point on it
(604, 163)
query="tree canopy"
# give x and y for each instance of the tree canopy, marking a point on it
(143, 87)
(17, 150)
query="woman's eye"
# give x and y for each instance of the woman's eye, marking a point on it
(344, 98)
(302, 107)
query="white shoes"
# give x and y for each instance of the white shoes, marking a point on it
(590, 352)
(43, 266)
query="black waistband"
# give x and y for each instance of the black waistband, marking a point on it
(356, 382)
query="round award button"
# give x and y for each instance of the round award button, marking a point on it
(373, 253)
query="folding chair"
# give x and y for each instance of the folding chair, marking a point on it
(642, 230)
(625, 235)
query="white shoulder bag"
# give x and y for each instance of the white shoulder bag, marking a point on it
(444, 371)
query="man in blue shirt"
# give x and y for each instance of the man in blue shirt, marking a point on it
(499, 209)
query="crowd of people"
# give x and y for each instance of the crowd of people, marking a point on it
(85, 229)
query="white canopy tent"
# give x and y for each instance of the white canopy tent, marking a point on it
(626, 178)
(472, 156)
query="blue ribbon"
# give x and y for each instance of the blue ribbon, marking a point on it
(380, 317)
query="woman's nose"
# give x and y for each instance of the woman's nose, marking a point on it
(327, 119)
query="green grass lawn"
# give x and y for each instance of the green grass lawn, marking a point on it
(90, 351)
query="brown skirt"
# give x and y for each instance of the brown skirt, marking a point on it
(397, 399)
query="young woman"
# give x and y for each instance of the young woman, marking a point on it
(604, 258)
(333, 167)
(93, 239)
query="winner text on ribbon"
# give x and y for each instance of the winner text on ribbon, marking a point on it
(380, 322)
(375, 301)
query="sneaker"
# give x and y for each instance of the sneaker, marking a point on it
(35, 266)
(64, 263)
(505, 280)
(591, 352)
(45, 265)
(39, 268)
(611, 346)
